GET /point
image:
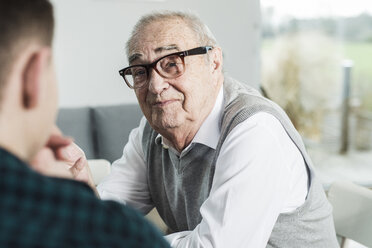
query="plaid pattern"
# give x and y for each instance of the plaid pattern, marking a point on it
(38, 211)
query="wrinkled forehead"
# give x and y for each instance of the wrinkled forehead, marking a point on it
(161, 36)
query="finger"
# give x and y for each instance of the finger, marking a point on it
(78, 167)
(42, 160)
(57, 169)
(56, 141)
(80, 164)
(70, 153)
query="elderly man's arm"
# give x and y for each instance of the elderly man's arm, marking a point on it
(259, 174)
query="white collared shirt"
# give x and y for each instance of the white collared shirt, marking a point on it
(259, 174)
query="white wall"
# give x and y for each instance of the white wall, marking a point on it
(91, 34)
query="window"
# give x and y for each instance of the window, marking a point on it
(308, 49)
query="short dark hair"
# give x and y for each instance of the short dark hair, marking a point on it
(20, 22)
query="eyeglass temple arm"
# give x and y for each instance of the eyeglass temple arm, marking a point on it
(198, 50)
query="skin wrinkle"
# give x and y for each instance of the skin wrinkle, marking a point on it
(137, 38)
(181, 104)
(138, 56)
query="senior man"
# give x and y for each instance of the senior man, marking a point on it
(223, 165)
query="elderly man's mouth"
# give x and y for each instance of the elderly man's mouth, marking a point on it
(165, 103)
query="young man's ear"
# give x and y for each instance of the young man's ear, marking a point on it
(35, 67)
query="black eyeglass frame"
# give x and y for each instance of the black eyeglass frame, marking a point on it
(182, 55)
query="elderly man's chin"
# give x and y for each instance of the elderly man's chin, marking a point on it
(161, 120)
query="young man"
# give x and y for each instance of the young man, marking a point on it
(36, 210)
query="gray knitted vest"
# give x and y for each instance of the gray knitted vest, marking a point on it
(179, 185)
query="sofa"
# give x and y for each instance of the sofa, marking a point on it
(100, 131)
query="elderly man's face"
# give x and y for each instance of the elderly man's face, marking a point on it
(169, 104)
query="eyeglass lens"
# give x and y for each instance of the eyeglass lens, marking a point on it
(169, 67)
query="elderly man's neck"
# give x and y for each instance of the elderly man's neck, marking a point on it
(179, 138)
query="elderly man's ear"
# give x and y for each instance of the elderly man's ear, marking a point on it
(36, 66)
(216, 60)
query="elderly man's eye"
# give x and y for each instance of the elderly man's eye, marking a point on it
(139, 73)
(171, 64)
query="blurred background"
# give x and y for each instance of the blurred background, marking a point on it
(316, 62)
(317, 56)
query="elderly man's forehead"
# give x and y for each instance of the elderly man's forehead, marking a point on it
(166, 22)
(167, 29)
(164, 31)
(161, 37)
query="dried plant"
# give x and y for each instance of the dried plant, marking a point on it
(302, 73)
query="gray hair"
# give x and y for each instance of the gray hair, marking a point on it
(203, 34)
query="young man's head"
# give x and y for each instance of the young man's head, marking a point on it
(28, 96)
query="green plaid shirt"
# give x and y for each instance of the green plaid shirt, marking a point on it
(38, 211)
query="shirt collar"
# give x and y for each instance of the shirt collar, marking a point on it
(209, 132)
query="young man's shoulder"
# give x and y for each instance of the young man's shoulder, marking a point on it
(53, 212)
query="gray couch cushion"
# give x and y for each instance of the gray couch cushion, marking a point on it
(76, 122)
(112, 127)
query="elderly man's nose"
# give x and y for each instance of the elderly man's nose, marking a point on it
(157, 83)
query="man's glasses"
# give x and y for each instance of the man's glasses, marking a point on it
(169, 66)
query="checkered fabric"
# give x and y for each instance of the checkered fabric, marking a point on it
(39, 211)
